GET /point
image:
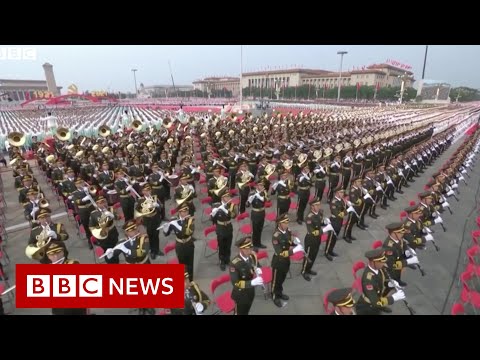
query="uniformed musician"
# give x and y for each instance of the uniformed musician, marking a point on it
(338, 209)
(257, 201)
(196, 301)
(244, 275)
(343, 301)
(124, 188)
(304, 182)
(102, 226)
(83, 201)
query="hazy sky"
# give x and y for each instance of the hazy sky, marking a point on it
(100, 67)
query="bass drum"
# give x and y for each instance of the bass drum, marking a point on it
(174, 179)
(112, 197)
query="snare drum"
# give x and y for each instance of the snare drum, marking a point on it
(174, 180)
(112, 197)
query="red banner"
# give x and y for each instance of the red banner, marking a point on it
(100, 286)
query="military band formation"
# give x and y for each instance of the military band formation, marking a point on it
(350, 161)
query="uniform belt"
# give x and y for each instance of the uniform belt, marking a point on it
(258, 209)
(141, 262)
(304, 188)
(157, 187)
(183, 241)
(283, 196)
(84, 206)
(224, 223)
(124, 196)
(357, 163)
(346, 167)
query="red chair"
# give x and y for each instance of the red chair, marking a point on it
(206, 214)
(202, 180)
(293, 205)
(328, 310)
(233, 192)
(222, 302)
(457, 309)
(173, 211)
(357, 282)
(475, 236)
(467, 295)
(235, 201)
(411, 203)
(471, 253)
(168, 249)
(242, 216)
(377, 244)
(267, 274)
(478, 221)
(403, 215)
(206, 200)
(97, 250)
(296, 258)
(268, 204)
(211, 244)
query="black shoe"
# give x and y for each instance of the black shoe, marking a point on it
(261, 246)
(278, 302)
(329, 257)
(160, 253)
(384, 207)
(360, 226)
(306, 277)
(153, 256)
(223, 266)
(386, 309)
(374, 216)
(402, 283)
(300, 222)
(351, 238)
(348, 240)
(284, 297)
(334, 254)
(313, 273)
(400, 191)
(392, 198)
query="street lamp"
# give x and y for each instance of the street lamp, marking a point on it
(135, 79)
(341, 53)
(403, 77)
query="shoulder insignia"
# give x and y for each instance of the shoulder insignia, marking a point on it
(369, 276)
(236, 260)
(390, 243)
(276, 234)
(369, 287)
(408, 223)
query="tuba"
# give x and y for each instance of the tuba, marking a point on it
(220, 184)
(37, 251)
(63, 134)
(50, 159)
(16, 138)
(137, 125)
(104, 131)
(269, 170)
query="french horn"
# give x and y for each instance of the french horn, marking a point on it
(269, 170)
(220, 184)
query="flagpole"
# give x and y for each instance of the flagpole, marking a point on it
(241, 71)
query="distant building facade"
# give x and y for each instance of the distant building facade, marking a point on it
(163, 90)
(218, 84)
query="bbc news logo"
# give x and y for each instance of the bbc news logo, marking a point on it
(100, 286)
(18, 53)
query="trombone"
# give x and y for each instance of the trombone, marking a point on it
(128, 180)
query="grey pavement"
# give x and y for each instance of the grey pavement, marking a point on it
(429, 295)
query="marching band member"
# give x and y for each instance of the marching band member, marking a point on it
(354, 208)
(156, 180)
(304, 183)
(343, 301)
(283, 188)
(370, 195)
(243, 179)
(135, 248)
(333, 172)
(183, 226)
(282, 245)
(106, 178)
(102, 226)
(83, 201)
(147, 208)
(320, 179)
(416, 234)
(257, 215)
(337, 210)
(375, 287)
(347, 169)
(32, 207)
(27, 186)
(186, 192)
(244, 275)
(222, 214)
(196, 301)
(123, 188)
(68, 184)
(315, 221)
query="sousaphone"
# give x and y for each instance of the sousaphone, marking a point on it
(269, 170)
(63, 134)
(16, 138)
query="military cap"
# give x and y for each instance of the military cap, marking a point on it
(185, 176)
(70, 170)
(43, 213)
(396, 227)
(315, 201)
(100, 199)
(27, 178)
(283, 219)
(376, 255)
(183, 207)
(130, 225)
(79, 181)
(425, 195)
(32, 192)
(244, 243)
(339, 188)
(186, 275)
(413, 209)
(55, 247)
(263, 182)
(341, 297)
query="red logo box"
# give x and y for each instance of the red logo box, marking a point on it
(100, 286)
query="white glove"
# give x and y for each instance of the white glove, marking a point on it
(109, 253)
(454, 186)
(461, 178)
(393, 284)
(464, 171)
(52, 234)
(366, 196)
(129, 188)
(413, 261)
(428, 237)
(70, 197)
(435, 215)
(328, 228)
(259, 197)
(445, 205)
(438, 220)
(379, 188)
(351, 209)
(349, 203)
(297, 248)
(296, 240)
(250, 198)
(86, 198)
(257, 281)
(399, 295)
(156, 205)
(326, 221)
(109, 214)
(258, 271)
(450, 193)
(223, 209)
(428, 230)
(105, 188)
(199, 307)
(85, 189)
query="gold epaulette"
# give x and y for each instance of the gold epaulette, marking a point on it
(235, 261)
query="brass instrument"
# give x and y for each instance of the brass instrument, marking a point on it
(104, 131)
(50, 159)
(37, 251)
(79, 154)
(222, 181)
(63, 134)
(245, 179)
(103, 223)
(301, 159)
(105, 150)
(317, 154)
(130, 147)
(148, 207)
(287, 164)
(43, 203)
(269, 170)
(136, 125)
(186, 193)
(16, 138)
